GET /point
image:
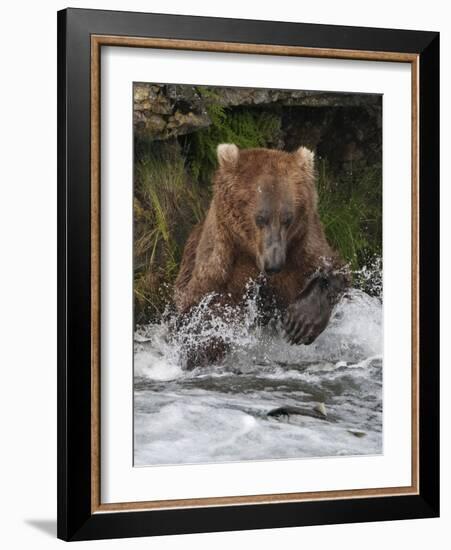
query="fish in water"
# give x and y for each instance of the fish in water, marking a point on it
(318, 411)
(357, 433)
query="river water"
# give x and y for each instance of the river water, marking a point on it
(324, 399)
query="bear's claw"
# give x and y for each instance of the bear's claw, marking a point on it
(307, 317)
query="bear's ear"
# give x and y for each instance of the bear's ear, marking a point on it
(228, 154)
(305, 158)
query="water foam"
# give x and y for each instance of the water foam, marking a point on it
(219, 412)
(354, 333)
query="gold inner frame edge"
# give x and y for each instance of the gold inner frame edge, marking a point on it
(97, 41)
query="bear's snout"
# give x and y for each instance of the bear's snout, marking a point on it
(274, 265)
(274, 255)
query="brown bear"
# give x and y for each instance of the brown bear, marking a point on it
(263, 223)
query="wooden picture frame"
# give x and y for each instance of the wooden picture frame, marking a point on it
(81, 35)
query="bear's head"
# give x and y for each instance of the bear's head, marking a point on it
(265, 200)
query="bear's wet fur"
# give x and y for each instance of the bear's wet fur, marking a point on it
(263, 218)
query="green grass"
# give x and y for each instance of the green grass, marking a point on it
(350, 208)
(245, 127)
(166, 205)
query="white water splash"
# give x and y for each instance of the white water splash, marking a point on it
(219, 412)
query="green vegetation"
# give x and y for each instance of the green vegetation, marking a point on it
(251, 127)
(166, 206)
(350, 208)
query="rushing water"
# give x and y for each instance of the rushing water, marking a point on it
(220, 413)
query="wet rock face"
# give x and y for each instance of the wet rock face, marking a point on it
(343, 134)
(341, 127)
(165, 111)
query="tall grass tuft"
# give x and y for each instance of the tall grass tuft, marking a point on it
(350, 208)
(166, 205)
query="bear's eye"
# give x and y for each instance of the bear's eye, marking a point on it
(261, 220)
(286, 220)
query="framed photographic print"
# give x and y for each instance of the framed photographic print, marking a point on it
(248, 274)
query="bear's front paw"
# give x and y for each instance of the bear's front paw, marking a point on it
(303, 324)
(307, 317)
